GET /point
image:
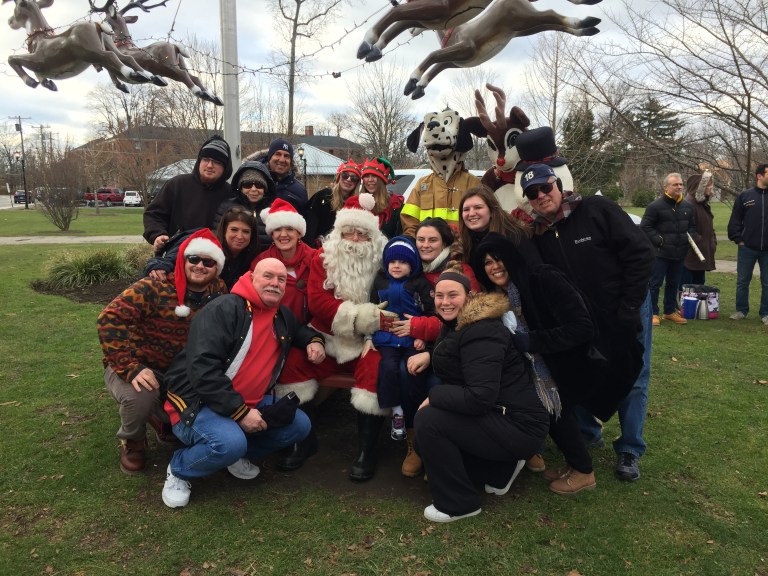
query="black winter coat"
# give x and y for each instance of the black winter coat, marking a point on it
(480, 368)
(666, 222)
(185, 203)
(320, 217)
(198, 377)
(749, 219)
(609, 260)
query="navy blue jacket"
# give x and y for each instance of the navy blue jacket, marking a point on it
(404, 296)
(749, 219)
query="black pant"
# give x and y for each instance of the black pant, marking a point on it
(393, 384)
(460, 451)
(567, 436)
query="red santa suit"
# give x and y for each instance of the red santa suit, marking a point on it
(338, 293)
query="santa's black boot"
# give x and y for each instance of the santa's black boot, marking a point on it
(368, 429)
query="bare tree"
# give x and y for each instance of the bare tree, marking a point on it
(298, 22)
(382, 118)
(706, 59)
(57, 193)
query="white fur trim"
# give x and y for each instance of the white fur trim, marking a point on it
(344, 321)
(368, 319)
(367, 402)
(182, 311)
(358, 218)
(366, 200)
(204, 247)
(274, 220)
(304, 390)
(343, 348)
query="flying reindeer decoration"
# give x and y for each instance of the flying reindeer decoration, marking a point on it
(420, 15)
(65, 55)
(164, 59)
(480, 39)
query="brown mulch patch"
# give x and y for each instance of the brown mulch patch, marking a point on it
(96, 294)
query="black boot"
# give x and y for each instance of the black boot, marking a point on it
(293, 457)
(368, 428)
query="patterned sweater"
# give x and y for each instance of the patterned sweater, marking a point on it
(139, 328)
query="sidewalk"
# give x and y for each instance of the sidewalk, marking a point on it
(10, 240)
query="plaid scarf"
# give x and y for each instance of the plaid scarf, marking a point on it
(570, 202)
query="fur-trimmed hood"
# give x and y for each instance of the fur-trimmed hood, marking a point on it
(696, 185)
(482, 306)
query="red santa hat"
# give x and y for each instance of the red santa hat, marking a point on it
(280, 214)
(357, 213)
(201, 243)
(348, 166)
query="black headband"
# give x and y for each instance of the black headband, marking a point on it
(456, 277)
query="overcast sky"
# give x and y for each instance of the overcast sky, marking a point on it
(66, 111)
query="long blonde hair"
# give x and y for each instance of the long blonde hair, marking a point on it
(337, 200)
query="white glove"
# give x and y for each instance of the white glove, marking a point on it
(510, 320)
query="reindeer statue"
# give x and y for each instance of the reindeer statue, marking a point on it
(421, 15)
(164, 59)
(65, 55)
(512, 147)
(480, 39)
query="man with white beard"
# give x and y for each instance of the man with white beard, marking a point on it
(340, 280)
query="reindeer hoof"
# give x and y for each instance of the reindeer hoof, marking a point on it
(373, 55)
(418, 93)
(158, 81)
(139, 78)
(364, 49)
(590, 31)
(31, 83)
(122, 87)
(410, 86)
(216, 100)
(589, 22)
(48, 83)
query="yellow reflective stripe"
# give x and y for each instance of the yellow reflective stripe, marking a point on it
(177, 401)
(411, 210)
(446, 214)
(240, 412)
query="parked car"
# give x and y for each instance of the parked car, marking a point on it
(107, 196)
(132, 198)
(405, 180)
(19, 197)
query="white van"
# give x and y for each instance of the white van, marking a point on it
(405, 180)
(132, 198)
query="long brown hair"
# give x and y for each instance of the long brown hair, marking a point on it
(337, 201)
(500, 222)
(238, 214)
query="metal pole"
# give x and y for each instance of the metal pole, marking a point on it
(228, 16)
(19, 129)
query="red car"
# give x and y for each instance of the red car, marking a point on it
(106, 196)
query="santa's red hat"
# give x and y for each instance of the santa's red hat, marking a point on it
(280, 214)
(357, 213)
(348, 166)
(201, 243)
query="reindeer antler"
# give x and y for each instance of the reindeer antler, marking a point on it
(104, 8)
(140, 4)
(501, 104)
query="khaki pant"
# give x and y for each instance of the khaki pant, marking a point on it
(136, 408)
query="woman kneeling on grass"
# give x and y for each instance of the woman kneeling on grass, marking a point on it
(481, 424)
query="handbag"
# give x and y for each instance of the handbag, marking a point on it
(282, 412)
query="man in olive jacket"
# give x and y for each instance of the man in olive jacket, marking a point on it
(667, 221)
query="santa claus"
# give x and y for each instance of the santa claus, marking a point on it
(340, 280)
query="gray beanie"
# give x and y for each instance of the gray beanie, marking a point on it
(252, 175)
(218, 149)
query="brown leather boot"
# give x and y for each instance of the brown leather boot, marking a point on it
(132, 456)
(573, 482)
(412, 463)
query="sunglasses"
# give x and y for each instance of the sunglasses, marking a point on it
(247, 185)
(533, 192)
(351, 177)
(207, 262)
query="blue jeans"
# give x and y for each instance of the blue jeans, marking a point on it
(745, 266)
(215, 442)
(633, 408)
(671, 270)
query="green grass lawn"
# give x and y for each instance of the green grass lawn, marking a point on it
(108, 222)
(700, 508)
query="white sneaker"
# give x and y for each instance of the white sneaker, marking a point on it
(243, 469)
(175, 490)
(433, 514)
(738, 316)
(501, 491)
(764, 320)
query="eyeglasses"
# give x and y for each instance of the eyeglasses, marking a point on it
(349, 232)
(533, 192)
(207, 262)
(247, 185)
(207, 160)
(351, 177)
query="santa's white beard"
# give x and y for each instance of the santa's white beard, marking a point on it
(350, 268)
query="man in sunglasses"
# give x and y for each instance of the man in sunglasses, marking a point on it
(594, 242)
(143, 329)
(190, 201)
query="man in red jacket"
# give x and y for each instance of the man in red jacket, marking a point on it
(340, 280)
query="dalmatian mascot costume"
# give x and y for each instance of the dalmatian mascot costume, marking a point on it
(512, 147)
(447, 138)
